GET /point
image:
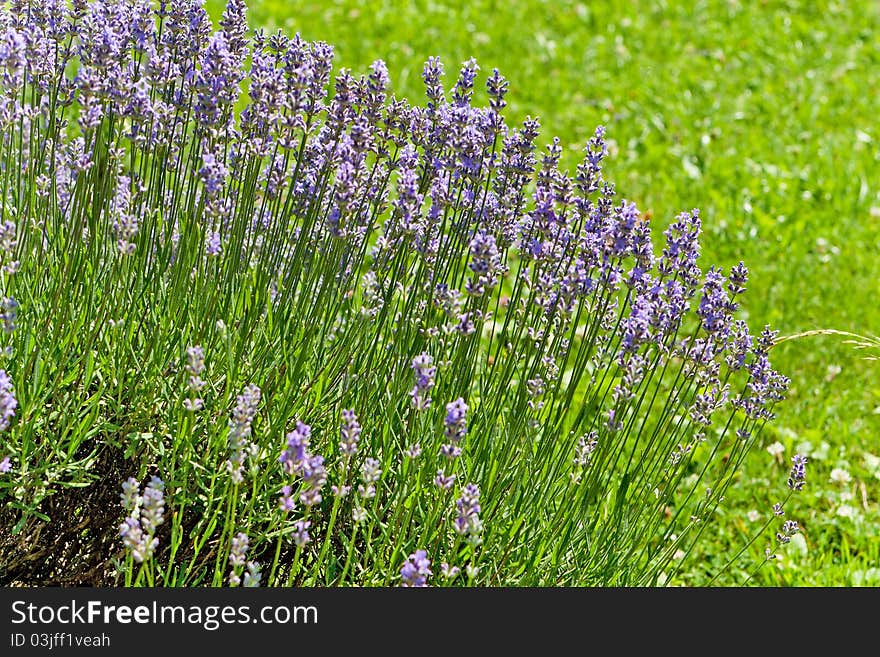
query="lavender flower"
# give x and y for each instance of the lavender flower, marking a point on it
(740, 345)
(423, 366)
(789, 529)
(372, 297)
(377, 82)
(153, 505)
(314, 476)
(432, 75)
(237, 551)
(456, 421)
(8, 314)
(416, 570)
(125, 223)
(8, 402)
(217, 82)
(358, 513)
(444, 481)
(234, 24)
(682, 249)
(140, 546)
(707, 403)
(370, 474)
(449, 572)
(584, 454)
(301, 536)
(340, 491)
(450, 451)
(297, 447)
(213, 175)
(407, 221)
(485, 264)
(715, 307)
(253, 575)
(297, 460)
(130, 496)
(240, 431)
(765, 386)
(8, 239)
(213, 244)
(739, 276)
(5, 465)
(146, 513)
(351, 431)
(195, 365)
(798, 475)
(285, 501)
(497, 87)
(467, 522)
(464, 87)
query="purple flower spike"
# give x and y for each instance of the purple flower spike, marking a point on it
(8, 402)
(798, 475)
(416, 570)
(423, 366)
(351, 431)
(468, 522)
(456, 422)
(301, 536)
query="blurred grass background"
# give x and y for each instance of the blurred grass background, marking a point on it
(761, 114)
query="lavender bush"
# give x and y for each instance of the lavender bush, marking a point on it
(342, 338)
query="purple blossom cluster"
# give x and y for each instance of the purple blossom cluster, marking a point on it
(789, 529)
(8, 314)
(146, 511)
(456, 428)
(301, 536)
(240, 446)
(798, 475)
(253, 575)
(238, 548)
(584, 454)
(416, 570)
(467, 522)
(195, 365)
(8, 402)
(371, 471)
(351, 432)
(297, 460)
(456, 420)
(425, 371)
(444, 481)
(485, 264)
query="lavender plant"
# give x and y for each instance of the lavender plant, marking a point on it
(464, 354)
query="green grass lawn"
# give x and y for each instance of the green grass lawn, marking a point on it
(761, 114)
